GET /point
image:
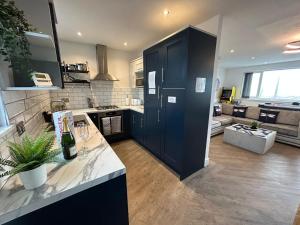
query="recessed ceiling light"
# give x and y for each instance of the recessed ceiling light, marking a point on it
(252, 57)
(125, 43)
(231, 51)
(79, 33)
(292, 51)
(293, 45)
(166, 12)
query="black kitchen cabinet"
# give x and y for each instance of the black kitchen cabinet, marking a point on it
(174, 62)
(173, 127)
(95, 118)
(152, 114)
(137, 127)
(177, 108)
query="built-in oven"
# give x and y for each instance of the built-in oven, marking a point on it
(139, 79)
(110, 123)
(139, 82)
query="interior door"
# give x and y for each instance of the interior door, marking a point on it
(152, 115)
(175, 63)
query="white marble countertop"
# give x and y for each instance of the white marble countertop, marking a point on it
(100, 165)
(138, 108)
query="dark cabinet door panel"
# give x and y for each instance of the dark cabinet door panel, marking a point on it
(173, 127)
(153, 130)
(137, 127)
(175, 63)
(152, 63)
(152, 115)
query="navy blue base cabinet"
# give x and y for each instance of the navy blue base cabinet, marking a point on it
(104, 204)
(177, 108)
(137, 127)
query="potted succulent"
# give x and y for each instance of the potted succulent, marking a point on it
(254, 125)
(28, 159)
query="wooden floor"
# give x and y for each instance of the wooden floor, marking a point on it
(237, 188)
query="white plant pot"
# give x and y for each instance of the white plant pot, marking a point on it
(34, 178)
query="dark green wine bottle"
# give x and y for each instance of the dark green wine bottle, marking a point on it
(68, 142)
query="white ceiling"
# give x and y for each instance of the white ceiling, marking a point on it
(253, 28)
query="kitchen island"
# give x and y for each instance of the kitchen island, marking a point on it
(86, 190)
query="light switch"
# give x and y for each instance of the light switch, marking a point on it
(171, 99)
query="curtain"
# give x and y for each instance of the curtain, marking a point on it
(247, 85)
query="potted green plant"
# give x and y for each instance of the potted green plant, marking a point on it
(254, 125)
(29, 157)
(14, 46)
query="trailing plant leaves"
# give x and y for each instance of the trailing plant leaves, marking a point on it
(14, 45)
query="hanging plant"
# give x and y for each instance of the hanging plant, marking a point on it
(14, 46)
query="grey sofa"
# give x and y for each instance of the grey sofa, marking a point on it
(287, 124)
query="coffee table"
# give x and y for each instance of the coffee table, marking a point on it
(258, 141)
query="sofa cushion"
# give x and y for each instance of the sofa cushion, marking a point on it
(245, 121)
(217, 110)
(215, 124)
(227, 108)
(268, 116)
(289, 117)
(253, 112)
(239, 111)
(223, 119)
(282, 128)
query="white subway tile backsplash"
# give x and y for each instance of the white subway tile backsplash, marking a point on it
(24, 106)
(102, 93)
(15, 108)
(13, 96)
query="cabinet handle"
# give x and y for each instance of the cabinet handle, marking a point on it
(132, 119)
(162, 74)
(141, 122)
(158, 92)
(161, 101)
(158, 119)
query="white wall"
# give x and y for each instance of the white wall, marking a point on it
(213, 26)
(118, 61)
(235, 76)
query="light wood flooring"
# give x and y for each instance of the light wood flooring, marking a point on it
(237, 188)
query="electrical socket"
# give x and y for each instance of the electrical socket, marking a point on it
(20, 128)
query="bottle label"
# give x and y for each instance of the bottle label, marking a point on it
(72, 150)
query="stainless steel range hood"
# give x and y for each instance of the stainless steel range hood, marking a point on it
(101, 56)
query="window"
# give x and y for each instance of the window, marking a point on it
(3, 115)
(277, 84)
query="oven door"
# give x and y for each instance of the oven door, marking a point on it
(111, 123)
(139, 82)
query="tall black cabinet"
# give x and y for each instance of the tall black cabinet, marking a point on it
(177, 98)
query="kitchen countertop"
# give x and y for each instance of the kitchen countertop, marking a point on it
(139, 109)
(100, 165)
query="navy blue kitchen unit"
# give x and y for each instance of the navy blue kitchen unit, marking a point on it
(178, 75)
(137, 127)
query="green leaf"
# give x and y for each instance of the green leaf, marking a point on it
(31, 153)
